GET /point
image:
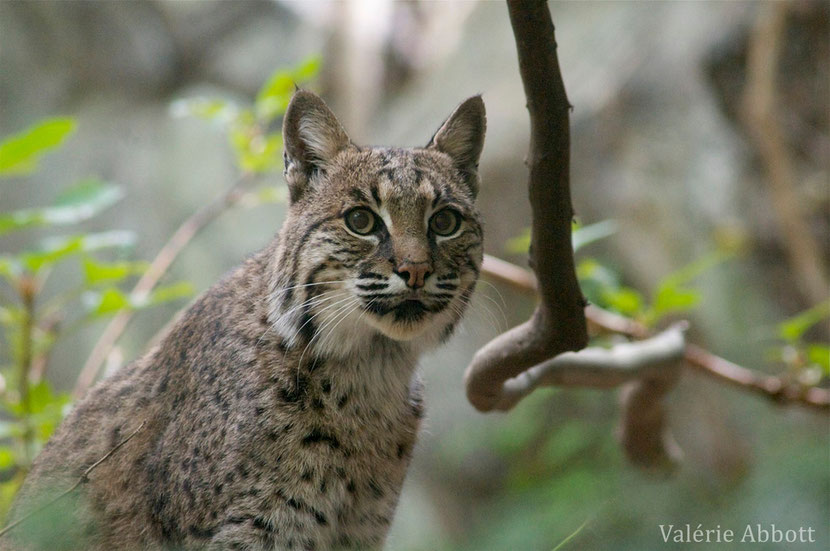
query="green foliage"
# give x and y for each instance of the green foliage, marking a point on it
(273, 97)
(112, 300)
(673, 294)
(580, 236)
(31, 323)
(793, 329)
(90, 198)
(602, 286)
(19, 154)
(255, 145)
(806, 361)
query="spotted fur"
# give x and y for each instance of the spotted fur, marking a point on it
(281, 410)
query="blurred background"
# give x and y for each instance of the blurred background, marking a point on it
(663, 154)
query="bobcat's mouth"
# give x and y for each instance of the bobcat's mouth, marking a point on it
(401, 319)
(410, 310)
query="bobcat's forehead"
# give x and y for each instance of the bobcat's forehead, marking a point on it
(403, 183)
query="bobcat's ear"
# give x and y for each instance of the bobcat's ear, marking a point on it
(311, 136)
(462, 138)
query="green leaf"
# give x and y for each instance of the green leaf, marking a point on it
(624, 300)
(672, 295)
(272, 99)
(19, 154)
(7, 458)
(95, 197)
(670, 298)
(820, 354)
(168, 293)
(97, 272)
(257, 153)
(89, 191)
(695, 268)
(57, 248)
(794, 328)
(308, 69)
(580, 236)
(583, 235)
(111, 300)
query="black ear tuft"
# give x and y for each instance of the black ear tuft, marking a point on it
(311, 136)
(462, 138)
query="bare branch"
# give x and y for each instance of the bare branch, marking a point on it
(558, 324)
(768, 386)
(761, 119)
(81, 480)
(158, 267)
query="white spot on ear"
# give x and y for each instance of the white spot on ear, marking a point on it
(321, 143)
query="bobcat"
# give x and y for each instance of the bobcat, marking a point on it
(281, 410)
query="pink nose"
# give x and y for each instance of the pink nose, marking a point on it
(414, 273)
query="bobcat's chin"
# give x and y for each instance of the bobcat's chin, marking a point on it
(399, 329)
(407, 320)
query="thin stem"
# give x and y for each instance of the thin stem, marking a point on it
(28, 290)
(158, 267)
(81, 480)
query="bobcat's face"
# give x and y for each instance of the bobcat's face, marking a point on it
(377, 240)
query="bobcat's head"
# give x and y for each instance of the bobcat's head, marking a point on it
(377, 240)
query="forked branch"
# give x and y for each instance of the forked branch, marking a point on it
(558, 324)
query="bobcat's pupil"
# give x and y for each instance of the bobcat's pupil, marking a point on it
(444, 222)
(360, 221)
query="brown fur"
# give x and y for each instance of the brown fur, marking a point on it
(281, 410)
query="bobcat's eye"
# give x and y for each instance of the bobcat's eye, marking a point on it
(361, 221)
(444, 222)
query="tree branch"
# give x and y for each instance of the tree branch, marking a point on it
(697, 358)
(649, 369)
(558, 324)
(158, 267)
(655, 357)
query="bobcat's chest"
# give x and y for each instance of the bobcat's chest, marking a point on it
(344, 453)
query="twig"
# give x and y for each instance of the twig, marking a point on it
(161, 263)
(703, 361)
(81, 480)
(558, 324)
(769, 386)
(28, 290)
(509, 274)
(759, 104)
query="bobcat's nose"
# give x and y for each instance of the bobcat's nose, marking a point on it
(414, 273)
